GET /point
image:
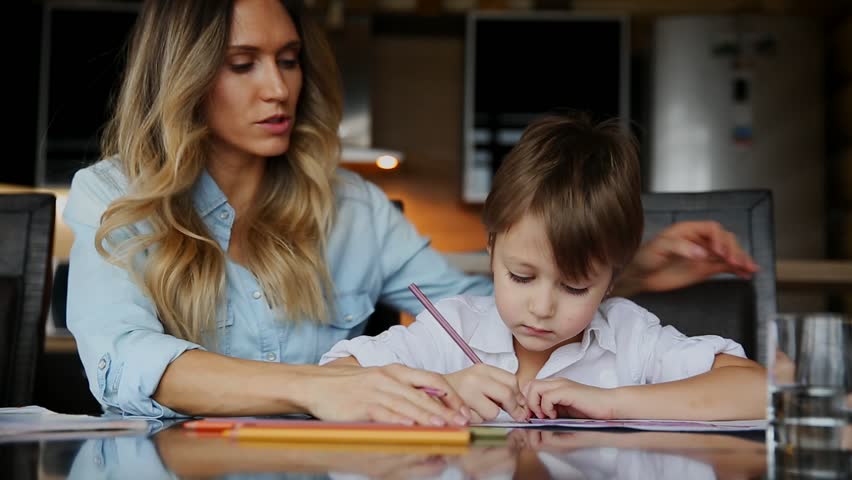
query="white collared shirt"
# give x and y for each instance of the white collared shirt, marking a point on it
(624, 345)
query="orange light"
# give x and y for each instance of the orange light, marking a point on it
(387, 162)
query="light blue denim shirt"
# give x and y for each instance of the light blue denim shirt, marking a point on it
(373, 254)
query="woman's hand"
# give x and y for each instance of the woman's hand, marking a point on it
(487, 390)
(683, 254)
(561, 398)
(383, 394)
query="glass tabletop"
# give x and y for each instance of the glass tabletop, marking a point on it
(524, 453)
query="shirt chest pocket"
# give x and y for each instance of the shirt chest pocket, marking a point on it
(347, 321)
(351, 310)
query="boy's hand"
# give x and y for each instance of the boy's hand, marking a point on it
(561, 398)
(486, 389)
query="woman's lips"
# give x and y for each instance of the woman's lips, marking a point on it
(276, 125)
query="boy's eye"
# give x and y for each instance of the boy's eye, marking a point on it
(519, 279)
(575, 291)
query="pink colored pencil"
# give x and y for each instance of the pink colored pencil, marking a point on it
(433, 392)
(443, 322)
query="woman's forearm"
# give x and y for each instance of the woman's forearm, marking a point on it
(202, 383)
(728, 393)
(207, 384)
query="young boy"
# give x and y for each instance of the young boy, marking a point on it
(564, 216)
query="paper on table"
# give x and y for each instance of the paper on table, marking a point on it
(35, 419)
(655, 425)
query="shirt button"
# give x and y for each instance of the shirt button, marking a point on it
(270, 357)
(347, 317)
(256, 295)
(224, 215)
(102, 364)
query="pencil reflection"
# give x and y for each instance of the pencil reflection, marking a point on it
(188, 455)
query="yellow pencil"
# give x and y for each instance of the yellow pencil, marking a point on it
(413, 436)
(374, 448)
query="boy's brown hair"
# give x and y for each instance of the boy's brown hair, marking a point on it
(582, 179)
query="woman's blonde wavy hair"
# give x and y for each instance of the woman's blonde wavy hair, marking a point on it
(159, 136)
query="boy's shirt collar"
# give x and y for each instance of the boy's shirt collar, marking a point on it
(491, 334)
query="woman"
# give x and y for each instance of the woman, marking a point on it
(218, 252)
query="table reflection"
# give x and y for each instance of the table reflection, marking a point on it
(587, 454)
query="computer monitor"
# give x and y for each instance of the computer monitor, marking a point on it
(82, 54)
(520, 66)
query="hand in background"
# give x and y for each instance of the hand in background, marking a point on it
(486, 390)
(683, 254)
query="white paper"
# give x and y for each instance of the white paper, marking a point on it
(34, 419)
(655, 425)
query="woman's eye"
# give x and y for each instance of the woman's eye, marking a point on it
(241, 67)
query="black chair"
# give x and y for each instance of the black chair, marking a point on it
(26, 248)
(725, 304)
(59, 295)
(61, 384)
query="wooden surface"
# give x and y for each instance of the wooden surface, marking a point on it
(814, 274)
(60, 344)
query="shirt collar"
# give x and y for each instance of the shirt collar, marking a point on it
(206, 194)
(491, 334)
(603, 332)
(598, 331)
